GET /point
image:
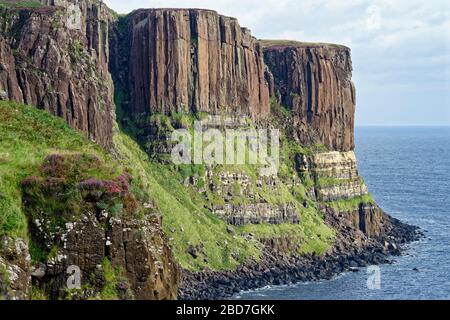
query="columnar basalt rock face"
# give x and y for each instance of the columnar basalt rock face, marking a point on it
(370, 220)
(191, 60)
(56, 58)
(314, 81)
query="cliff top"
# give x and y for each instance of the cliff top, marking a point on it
(21, 4)
(180, 9)
(299, 44)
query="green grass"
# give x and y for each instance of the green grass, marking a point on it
(27, 136)
(185, 220)
(20, 4)
(112, 278)
(38, 293)
(310, 236)
(299, 44)
(351, 204)
(4, 275)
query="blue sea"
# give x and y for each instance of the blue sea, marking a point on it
(407, 170)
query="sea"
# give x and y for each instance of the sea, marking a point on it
(407, 169)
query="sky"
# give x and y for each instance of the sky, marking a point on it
(400, 48)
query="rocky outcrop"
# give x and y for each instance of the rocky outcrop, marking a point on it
(335, 175)
(314, 81)
(336, 180)
(15, 269)
(370, 219)
(99, 228)
(55, 57)
(257, 213)
(190, 60)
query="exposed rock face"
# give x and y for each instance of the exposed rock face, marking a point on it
(314, 81)
(191, 60)
(257, 213)
(90, 224)
(370, 220)
(335, 175)
(15, 270)
(56, 58)
(254, 209)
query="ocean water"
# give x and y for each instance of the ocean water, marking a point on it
(407, 170)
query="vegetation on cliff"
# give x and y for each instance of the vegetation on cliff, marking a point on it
(120, 196)
(27, 136)
(53, 178)
(20, 4)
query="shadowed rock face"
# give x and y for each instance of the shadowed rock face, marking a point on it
(190, 60)
(314, 81)
(56, 58)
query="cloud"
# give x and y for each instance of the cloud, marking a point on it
(373, 19)
(399, 47)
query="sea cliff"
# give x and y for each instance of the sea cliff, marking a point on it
(103, 195)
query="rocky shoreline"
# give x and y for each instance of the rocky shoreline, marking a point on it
(276, 268)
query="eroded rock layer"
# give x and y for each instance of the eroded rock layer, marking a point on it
(56, 58)
(191, 60)
(314, 81)
(336, 180)
(335, 175)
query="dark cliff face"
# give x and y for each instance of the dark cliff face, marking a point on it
(314, 81)
(56, 58)
(190, 60)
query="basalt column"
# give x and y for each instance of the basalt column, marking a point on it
(314, 81)
(189, 60)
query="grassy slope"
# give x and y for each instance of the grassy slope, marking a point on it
(27, 135)
(182, 209)
(185, 221)
(20, 4)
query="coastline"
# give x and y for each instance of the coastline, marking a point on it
(276, 268)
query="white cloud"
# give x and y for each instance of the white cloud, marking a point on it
(373, 20)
